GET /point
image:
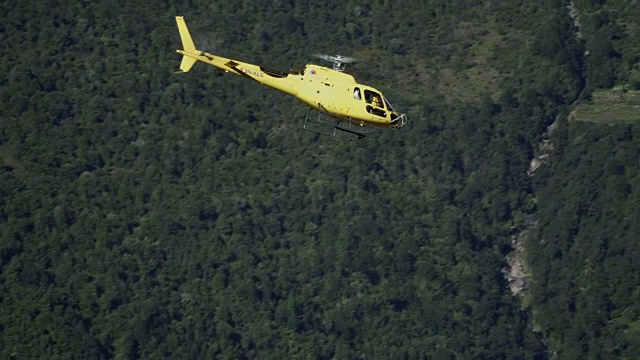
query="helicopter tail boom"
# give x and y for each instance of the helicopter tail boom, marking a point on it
(187, 44)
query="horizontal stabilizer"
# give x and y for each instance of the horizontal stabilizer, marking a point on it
(187, 63)
(187, 44)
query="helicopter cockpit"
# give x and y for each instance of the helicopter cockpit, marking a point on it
(374, 102)
(378, 105)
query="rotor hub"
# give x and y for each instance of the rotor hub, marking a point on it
(339, 62)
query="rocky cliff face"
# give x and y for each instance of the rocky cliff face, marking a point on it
(516, 273)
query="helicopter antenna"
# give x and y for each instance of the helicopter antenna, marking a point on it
(339, 61)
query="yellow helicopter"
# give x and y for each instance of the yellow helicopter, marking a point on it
(339, 106)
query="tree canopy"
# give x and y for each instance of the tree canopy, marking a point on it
(145, 214)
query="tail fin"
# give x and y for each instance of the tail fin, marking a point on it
(187, 44)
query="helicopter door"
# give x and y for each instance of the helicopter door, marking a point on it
(375, 105)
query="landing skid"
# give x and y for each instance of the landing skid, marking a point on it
(341, 128)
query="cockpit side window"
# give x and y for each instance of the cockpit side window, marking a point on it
(356, 94)
(373, 98)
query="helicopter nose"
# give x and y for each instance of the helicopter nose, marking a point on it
(398, 120)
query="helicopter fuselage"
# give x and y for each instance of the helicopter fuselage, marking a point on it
(327, 90)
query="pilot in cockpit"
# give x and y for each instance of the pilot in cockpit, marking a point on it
(376, 101)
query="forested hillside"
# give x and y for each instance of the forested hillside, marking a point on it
(583, 253)
(147, 214)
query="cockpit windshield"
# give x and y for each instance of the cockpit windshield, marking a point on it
(388, 105)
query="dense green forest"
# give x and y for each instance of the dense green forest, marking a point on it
(147, 214)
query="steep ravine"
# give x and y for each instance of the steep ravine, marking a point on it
(516, 273)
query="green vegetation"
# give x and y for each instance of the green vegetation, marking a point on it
(584, 253)
(610, 106)
(582, 256)
(147, 215)
(612, 38)
(611, 34)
